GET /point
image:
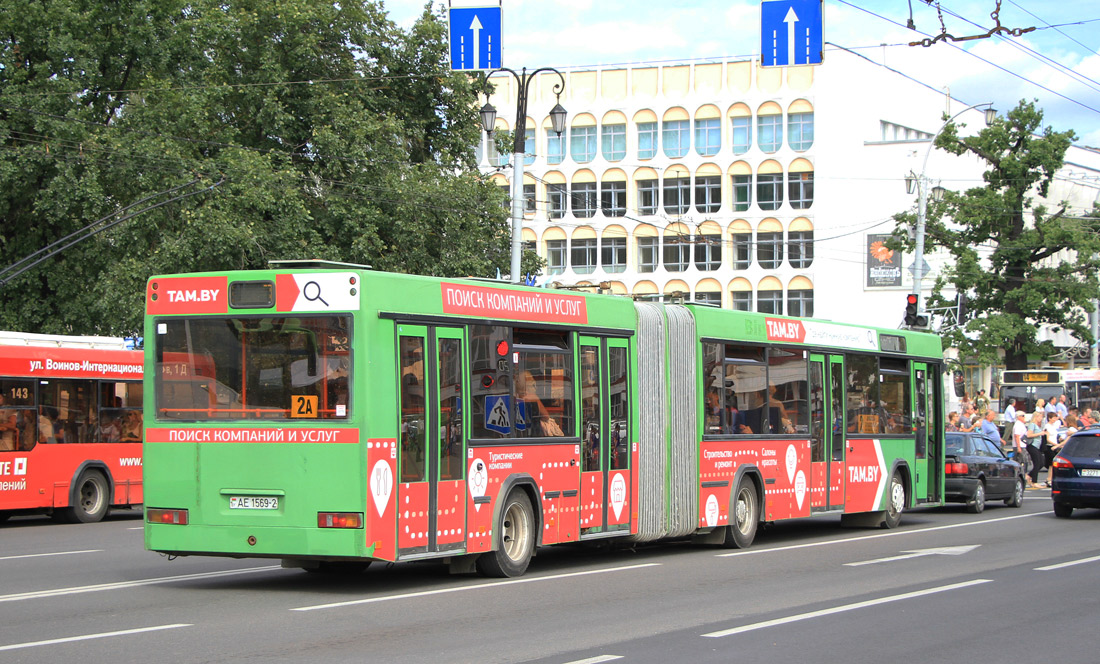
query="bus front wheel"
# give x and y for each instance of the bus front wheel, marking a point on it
(745, 516)
(92, 499)
(516, 532)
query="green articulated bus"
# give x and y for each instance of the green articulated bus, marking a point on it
(328, 415)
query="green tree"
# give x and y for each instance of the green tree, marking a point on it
(313, 130)
(1020, 266)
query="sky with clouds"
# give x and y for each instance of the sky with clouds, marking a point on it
(1059, 65)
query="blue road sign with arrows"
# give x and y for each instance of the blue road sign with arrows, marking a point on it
(791, 32)
(475, 37)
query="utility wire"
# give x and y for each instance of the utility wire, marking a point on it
(20, 266)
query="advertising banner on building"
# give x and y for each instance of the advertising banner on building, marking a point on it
(883, 264)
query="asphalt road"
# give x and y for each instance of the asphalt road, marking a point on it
(1006, 585)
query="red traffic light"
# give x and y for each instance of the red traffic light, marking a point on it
(911, 298)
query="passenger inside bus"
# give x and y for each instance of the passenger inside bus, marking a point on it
(9, 432)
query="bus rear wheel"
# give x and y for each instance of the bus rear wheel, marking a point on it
(92, 499)
(516, 532)
(896, 503)
(744, 518)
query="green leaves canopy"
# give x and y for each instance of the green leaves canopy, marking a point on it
(1020, 266)
(324, 131)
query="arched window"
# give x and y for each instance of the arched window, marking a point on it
(769, 296)
(800, 297)
(800, 125)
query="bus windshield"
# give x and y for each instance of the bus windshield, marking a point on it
(269, 368)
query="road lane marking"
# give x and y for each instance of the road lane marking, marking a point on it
(750, 552)
(919, 553)
(57, 592)
(596, 660)
(845, 607)
(55, 553)
(1067, 564)
(476, 586)
(88, 637)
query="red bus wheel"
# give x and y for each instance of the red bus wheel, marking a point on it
(92, 499)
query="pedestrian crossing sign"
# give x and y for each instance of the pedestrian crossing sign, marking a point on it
(498, 413)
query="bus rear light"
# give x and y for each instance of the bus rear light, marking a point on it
(176, 517)
(339, 519)
(956, 469)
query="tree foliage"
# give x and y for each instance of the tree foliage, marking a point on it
(1020, 265)
(311, 130)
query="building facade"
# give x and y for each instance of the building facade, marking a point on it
(763, 189)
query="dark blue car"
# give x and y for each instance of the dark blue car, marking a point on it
(1075, 473)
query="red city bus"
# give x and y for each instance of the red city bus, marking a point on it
(70, 426)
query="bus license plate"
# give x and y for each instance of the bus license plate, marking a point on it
(1090, 472)
(253, 503)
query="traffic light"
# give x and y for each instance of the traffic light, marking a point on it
(912, 318)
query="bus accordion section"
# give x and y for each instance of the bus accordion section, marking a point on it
(70, 426)
(328, 416)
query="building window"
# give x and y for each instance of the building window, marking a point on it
(676, 138)
(583, 199)
(711, 297)
(800, 303)
(479, 149)
(555, 147)
(614, 142)
(647, 140)
(528, 198)
(677, 193)
(528, 146)
(742, 192)
(708, 137)
(647, 254)
(708, 193)
(742, 251)
(647, 197)
(582, 256)
(800, 131)
(613, 199)
(742, 134)
(769, 302)
(769, 190)
(800, 245)
(613, 254)
(741, 300)
(555, 256)
(708, 252)
(556, 192)
(769, 132)
(507, 191)
(769, 250)
(677, 253)
(800, 189)
(582, 144)
(495, 157)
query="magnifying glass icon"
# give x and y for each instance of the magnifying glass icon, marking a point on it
(316, 292)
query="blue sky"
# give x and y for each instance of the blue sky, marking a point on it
(1059, 66)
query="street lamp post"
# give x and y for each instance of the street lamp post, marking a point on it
(488, 119)
(921, 183)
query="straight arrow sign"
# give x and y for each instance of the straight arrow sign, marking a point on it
(919, 553)
(790, 19)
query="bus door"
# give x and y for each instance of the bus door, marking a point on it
(431, 513)
(605, 465)
(827, 430)
(929, 428)
(836, 439)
